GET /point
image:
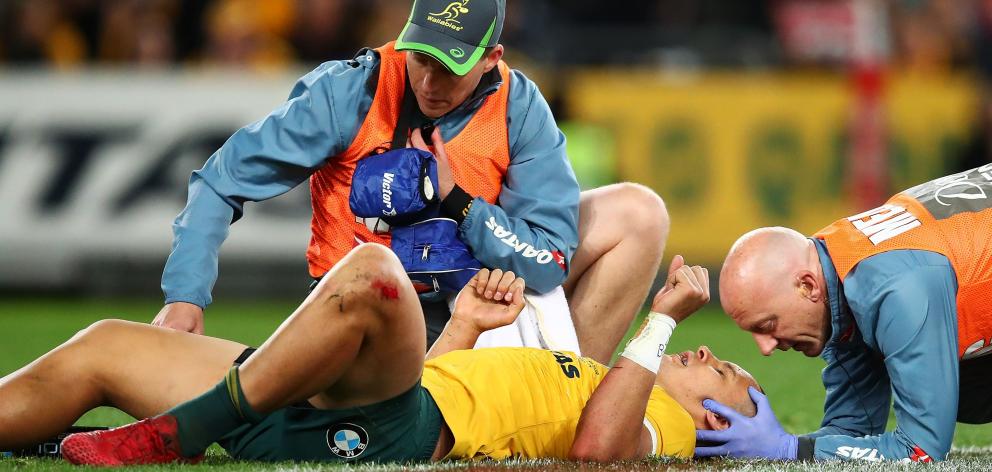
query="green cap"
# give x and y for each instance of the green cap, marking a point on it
(456, 33)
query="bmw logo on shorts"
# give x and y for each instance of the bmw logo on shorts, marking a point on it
(347, 440)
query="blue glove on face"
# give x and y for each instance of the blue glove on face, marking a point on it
(760, 436)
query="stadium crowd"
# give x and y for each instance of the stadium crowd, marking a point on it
(267, 34)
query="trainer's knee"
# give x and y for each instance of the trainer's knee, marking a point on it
(639, 211)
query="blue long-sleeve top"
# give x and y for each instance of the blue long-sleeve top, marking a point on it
(538, 203)
(894, 322)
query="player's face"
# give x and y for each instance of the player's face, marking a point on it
(693, 376)
(784, 322)
(437, 89)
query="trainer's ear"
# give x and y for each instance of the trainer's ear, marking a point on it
(492, 59)
(809, 288)
(715, 422)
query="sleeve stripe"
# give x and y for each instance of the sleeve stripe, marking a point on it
(654, 437)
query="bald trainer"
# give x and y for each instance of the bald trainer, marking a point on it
(898, 302)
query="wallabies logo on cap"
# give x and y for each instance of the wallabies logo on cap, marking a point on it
(449, 16)
(347, 441)
(453, 11)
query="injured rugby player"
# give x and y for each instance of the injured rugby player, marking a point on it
(345, 379)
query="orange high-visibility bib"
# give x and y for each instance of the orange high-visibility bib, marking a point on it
(951, 216)
(479, 155)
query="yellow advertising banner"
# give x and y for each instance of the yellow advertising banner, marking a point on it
(732, 152)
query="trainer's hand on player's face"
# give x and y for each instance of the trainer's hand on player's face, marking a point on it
(445, 179)
(490, 300)
(180, 316)
(686, 290)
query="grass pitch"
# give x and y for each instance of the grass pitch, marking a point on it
(30, 327)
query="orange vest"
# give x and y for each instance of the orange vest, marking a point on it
(480, 154)
(947, 216)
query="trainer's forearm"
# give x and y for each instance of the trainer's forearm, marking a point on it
(457, 335)
(611, 422)
(199, 231)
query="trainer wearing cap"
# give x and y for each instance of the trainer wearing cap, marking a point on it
(503, 175)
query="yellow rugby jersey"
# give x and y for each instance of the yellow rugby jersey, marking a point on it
(526, 403)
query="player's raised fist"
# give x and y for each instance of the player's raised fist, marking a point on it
(180, 316)
(686, 290)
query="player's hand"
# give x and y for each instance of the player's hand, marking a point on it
(760, 436)
(445, 178)
(686, 290)
(180, 316)
(490, 300)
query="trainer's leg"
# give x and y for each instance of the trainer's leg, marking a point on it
(622, 233)
(140, 369)
(359, 338)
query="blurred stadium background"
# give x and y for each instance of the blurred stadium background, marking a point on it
(739, 113)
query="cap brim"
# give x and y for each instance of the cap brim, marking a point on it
(459, 57)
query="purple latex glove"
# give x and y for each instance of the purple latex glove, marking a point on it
(760, 436)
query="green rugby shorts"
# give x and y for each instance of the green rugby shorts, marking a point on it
(404, 428)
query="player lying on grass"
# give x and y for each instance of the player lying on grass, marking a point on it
(344, 378)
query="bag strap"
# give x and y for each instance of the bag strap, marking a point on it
(408, 113)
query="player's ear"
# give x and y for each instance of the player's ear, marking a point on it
(715, 422)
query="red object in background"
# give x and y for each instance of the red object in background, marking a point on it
(852, 34)
(816, 31)
(868, 148)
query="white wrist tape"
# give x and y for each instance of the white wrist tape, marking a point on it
(647, 349)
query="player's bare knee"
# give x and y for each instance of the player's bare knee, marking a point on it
(374, 276)
(101, 331)
(82, 352)
(373, 253)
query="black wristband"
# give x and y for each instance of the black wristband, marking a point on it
(457, 204)
(806, 448)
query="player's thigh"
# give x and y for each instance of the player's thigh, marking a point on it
(389, 362)
(396, 348)
(157, 368)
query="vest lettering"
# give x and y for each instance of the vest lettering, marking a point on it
(884, 223)
(892, 228)
(881, 213)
